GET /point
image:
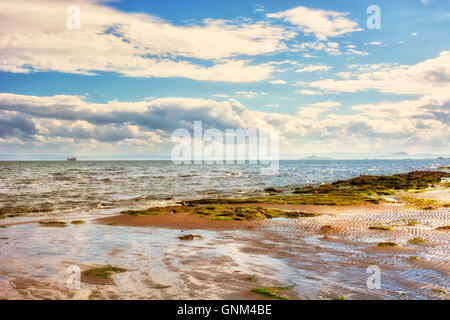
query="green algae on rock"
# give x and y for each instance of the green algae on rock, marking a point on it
(341, 197)
(272, 292)
(78, 222)
(153, 211)
(53, 223)
(387, 244)
(417, 240)
(359, 190)
(190, 237)
(423, 204)
(103, 272)
(221, 213)
(402, 181)
(439, 291)
(101, 275)
(384, 228)
(327, 229)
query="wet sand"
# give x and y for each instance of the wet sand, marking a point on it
(180, 220)
(232, 257)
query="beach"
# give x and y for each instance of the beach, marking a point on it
(260, 247)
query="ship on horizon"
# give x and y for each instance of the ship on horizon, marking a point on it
(71, 159)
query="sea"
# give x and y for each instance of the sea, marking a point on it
(37, 188)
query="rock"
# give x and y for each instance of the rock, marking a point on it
(272, 190)
(189, 237)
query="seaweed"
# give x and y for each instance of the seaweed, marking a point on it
(221, 213)
(272, 292)
(417, 240)
(53, 223)
(327, 229)
(387, 244)
(103, 272)
(78, 222)
(147, 212)
(190, 237)
(384, 228)
(402, 181)
(423, 204)
(358, 190)
(439, 291)
(336, 198)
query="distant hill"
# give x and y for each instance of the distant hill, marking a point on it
(399, 154)
(316, 158)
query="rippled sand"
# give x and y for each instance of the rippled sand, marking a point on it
(227, 263)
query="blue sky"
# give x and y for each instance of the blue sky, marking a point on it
(311, 69)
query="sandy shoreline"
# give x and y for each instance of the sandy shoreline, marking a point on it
(318, 257)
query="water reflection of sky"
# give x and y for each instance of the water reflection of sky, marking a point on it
(334, 270)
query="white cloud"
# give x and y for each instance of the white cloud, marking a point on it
(311, 68)
(278, 81)
(63, 122)
(329, 47)
(356, 52)
(430, 77)
(314, 110)
(322, 24)
(309, 92)
(220, 95)
(310, 112)
(34, 37)
(326, 104)
(250, 94)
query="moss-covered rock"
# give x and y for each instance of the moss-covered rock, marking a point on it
(272, 292)
(417, 240)
(101, 275)
(53, 223)
(423, 204)
(222, 213)
(383, 228)
(327, 229)
(190, 237)
(359, 190)
(78, 222)
(403, 181)
(387, 244)
(150, 211)
(104, 272)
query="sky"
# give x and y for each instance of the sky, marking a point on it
(119, 83)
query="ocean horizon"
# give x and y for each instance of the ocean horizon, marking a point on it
(97, 186)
